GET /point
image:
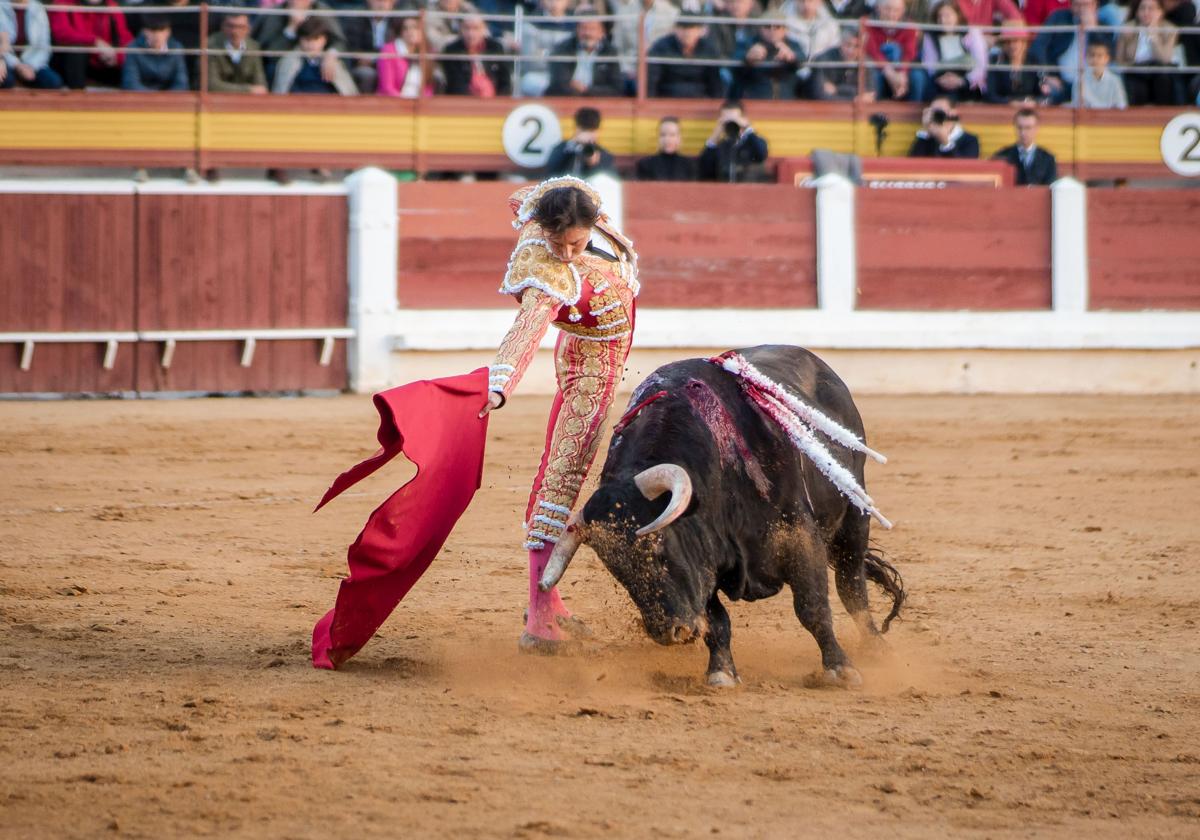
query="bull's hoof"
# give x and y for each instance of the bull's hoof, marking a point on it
(529, 643)
(575, 627)
(722, 679)
(843, 676)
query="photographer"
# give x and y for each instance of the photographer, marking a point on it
(941, 134)
(734, 153)
(582, 155)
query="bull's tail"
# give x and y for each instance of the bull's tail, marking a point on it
(884, 574)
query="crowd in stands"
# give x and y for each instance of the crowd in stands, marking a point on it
(1124, 52)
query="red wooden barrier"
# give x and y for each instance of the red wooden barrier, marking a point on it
(1143, 249)
(66, 265)
(954, 249)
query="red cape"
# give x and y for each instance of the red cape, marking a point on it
(436, 424)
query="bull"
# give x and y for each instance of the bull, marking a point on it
(704, 493)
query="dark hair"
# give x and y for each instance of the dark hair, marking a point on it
(312, 27)
(156, 22)
(1096, 40)
(233, 16)
(395, 27)
(732, 104)
(953, 6)
(563, 208)
(587, 119)
(1026, 112)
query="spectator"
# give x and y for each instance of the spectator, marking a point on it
(281, 33)
(1012, 83)
(942, 135)
(955, 55)
(831, 83)
(893, 47)
(1183, 13)
(1034, 166)
(733, 39)
(440, 31)
(477, 75)
(581, 155)
(734, 152)
(685, 80)
(811, 26)
(303, 69)
(590, 74)
(106, 31)
(1102, 88)
(400, 72)
(660, 19)
(538, 40)
(984, 13)
(667, 164)
(185, 30)
(771, 64)
(1035, 12)
(1064, 50)
(163, 67)
(367, 35)
(25, 47)
(1149, 43)
(234, 65)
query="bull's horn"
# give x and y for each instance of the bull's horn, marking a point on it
(560, 557)
(665, 478)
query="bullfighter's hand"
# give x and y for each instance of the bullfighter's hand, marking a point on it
(495, 400)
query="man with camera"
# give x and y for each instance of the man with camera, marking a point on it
(581, 155)
(942, 135)
(734, 153)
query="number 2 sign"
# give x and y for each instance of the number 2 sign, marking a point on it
(1180, 144)
(530, 133)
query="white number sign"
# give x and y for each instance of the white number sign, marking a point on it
(530, 133)
(1180, 144)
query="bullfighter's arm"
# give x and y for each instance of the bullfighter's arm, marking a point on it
(521, 342)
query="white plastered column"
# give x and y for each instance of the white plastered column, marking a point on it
(837, 257)
(1069, 259)
(372, 266)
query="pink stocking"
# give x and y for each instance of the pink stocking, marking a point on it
(545, 608)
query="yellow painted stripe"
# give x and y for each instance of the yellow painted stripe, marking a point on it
(307, 132)
(97, 130)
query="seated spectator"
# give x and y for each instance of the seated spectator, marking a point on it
(733, 39)
(185, 29)
(538, 40)
(811, 25)
(281, 33)
(367, 35)
(1035, 12)
(1033, 165)
(667, 164)
(893, 48)
(832, 83)
(1010, 83)
(942, 135)
(400, 72)
(734, 152)
(106, 31)
(685, 80)
(581, 155)
(589, 74)
(984, 13)
(1101, 87)
(234, 65)
(1148, 43)
(440, 31)
(771, 65)
(1064, 50)
(25, 47)
(660, 19)
(476, 75)
(162, 68)
(955, 55)
(303, 70)
(1183, 14)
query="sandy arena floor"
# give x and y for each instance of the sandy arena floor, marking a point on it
(160, 573)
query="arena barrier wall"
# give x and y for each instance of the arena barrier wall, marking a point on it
(161, 287)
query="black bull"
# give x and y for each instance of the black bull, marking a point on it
(760, 515)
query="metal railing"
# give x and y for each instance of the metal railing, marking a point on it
(514, 28)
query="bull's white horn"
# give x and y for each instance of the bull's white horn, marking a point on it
(560, 557)
(665, 478)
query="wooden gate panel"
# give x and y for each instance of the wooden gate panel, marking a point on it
(66, 266)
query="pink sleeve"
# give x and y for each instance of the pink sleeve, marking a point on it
(929, 55)
(976, 44)
(1008, 10)
(389, 70)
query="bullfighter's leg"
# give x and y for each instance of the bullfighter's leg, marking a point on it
(721, 670)
(810, 596)
(588, 375)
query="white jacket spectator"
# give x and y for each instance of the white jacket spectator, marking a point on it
(811, 25)
(34, 37)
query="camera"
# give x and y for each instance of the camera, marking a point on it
(939, 116)
(588, 150)
(732, 130)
